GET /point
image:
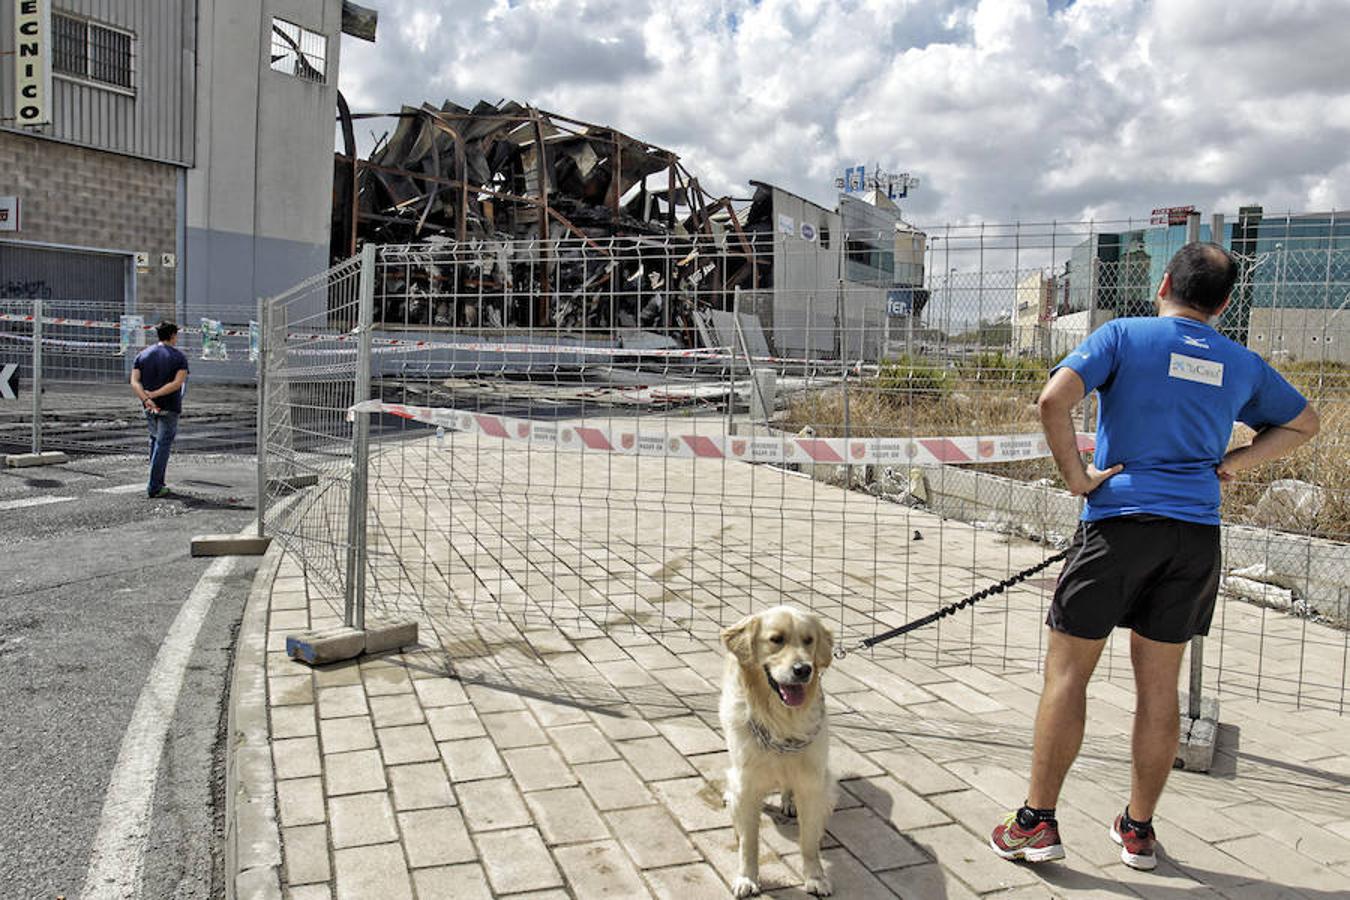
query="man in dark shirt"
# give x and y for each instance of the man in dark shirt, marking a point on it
(157, 377)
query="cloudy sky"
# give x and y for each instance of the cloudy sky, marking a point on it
(1006, 109)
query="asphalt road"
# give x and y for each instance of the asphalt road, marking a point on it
(89, 585)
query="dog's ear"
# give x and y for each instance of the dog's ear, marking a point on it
(824, 646)
(740, 639)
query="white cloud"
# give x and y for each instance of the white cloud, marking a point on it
(1005, 109)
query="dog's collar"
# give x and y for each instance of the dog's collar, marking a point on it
(782, 745)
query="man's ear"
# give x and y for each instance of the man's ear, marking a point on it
(1218, 312)
(740, 639)
(1165, 287)
(824, 654)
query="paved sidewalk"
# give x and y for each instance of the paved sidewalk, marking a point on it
(582, 758)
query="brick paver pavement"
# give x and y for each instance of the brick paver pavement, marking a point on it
(557, 736)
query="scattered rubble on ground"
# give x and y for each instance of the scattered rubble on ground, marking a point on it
(1289, 503)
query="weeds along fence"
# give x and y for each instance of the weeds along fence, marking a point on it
(585, 437)
(73, 361)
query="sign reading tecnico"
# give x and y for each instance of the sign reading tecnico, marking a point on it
(32, 61)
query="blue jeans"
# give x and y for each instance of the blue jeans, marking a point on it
(163, 427)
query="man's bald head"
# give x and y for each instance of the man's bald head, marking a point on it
(1203, 276)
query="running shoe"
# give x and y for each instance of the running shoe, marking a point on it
(1137, 848)
(1038, 844)
(162, 492)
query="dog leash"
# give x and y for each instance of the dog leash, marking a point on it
(951, 608)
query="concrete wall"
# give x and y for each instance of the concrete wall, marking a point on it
(154, 119)
(1315, 568)
(1303, 334)
(259, 203)
(77, 196)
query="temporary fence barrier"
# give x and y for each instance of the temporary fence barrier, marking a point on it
(73, 362)
(921, 476)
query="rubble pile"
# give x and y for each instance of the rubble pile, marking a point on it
(520, 217)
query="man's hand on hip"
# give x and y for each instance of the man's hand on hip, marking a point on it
(1092, 479)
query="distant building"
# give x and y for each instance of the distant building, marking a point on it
(1292, 291)
(1296, 304)
(843, 283)
(1033, 312)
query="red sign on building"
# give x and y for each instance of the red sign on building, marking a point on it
(1170, 215)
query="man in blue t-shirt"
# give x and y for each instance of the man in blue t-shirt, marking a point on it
(1146, 555)
(157, 377)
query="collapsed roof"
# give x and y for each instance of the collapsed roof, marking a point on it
(465, 173)
(629, 236)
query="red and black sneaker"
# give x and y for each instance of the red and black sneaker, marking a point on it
(1038, 844)
(1137, 847)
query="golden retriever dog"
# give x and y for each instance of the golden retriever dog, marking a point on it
(773, 715)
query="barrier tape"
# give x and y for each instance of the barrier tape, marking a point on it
(63, 342)
(388, 345)
(405, 345)
(96, 323)
(629, 441)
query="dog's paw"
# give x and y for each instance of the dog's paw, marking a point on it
(788, 807)
(744, 887)
(819, 886)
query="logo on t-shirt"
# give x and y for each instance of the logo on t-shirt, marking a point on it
(1190, 368)
(1195, 342)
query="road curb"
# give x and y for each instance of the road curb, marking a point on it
(252, 835)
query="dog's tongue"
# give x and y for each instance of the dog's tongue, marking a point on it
(792, 694)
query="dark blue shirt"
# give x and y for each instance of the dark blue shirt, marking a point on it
(1171, 389)
(158, 365)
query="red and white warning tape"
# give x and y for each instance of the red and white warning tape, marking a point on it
(632, 441)
(97, 323)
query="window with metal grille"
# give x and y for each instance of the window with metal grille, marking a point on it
(298, 51)
(94, 52)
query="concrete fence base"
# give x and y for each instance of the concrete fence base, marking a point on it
(25, 460)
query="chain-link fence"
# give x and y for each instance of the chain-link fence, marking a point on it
(72, 363)
(587, 436)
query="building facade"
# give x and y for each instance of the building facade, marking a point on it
(179, 165)
(844, 283)
(1292, 291)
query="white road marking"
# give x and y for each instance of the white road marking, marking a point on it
(122, 488)
(32, 501)
(118, 857)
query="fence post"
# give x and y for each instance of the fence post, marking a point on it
(263, 312)
(37, 377)
(354, 611)
(1197, 642)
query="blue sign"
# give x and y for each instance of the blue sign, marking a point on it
(900, 302)
(855, 179)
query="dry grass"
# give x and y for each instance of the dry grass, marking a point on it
(996, 396)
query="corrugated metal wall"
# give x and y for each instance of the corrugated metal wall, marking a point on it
(156, 123)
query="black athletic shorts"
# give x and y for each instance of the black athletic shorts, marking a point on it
(1156, 575)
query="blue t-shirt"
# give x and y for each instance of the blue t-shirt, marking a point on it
(1170, 390)
(158, 365)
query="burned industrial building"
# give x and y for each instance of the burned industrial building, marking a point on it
(507, 216)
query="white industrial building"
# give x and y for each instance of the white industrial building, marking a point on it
(166, 157)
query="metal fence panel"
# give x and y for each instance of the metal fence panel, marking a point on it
(658, 435)
(87, 405)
